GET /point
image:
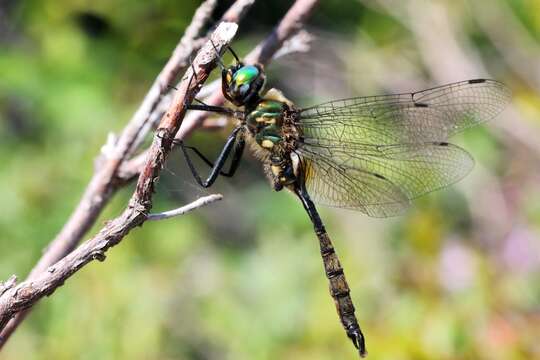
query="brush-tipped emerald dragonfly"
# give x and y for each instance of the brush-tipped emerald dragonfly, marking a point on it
(371, 154)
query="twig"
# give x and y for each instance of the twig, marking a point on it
(237, 10)
(105, 181)
(181, 55)
(8, 284)
(299, 43)
(178, 61)
(185, 209)
(289, 26)
(291, 23)
(45, 283)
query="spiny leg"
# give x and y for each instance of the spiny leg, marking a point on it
(236, 157)
(234, 54)
(225, 152)
(218, 55)
(194, 75)
(339, 289)
(222, 66)
(203, 106)
(216, 109)
(220, 162)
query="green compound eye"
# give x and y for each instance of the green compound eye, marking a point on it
(242, 83)
(245, 75)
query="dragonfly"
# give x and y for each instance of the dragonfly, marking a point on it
(371, 154)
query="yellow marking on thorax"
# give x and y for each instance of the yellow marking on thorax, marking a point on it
(266, 120)
(267, 144)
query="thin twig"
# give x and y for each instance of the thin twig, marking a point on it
(237, 10)
(108, 179)
(27, 293)
(292, 22)
(8, 284)
(297, 43)
(105, 181)
(186, 208)
(178, 61)
(290, 25)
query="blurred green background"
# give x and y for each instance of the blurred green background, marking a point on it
(457, 277)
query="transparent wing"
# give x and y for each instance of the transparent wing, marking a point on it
(380, 180)
(431, 115)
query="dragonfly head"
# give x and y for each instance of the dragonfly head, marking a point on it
(242, 83)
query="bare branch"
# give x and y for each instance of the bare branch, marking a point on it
(179, 60)
(104, 182)
(102, 185)
(290, 25)
(8, 284)
(187, 208)
(237, 10)
(111, 173)
(299, 43)
(45, 283)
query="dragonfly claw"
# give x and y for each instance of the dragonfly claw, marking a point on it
(357, 339)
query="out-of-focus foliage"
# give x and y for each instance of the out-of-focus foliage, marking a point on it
(457, 277)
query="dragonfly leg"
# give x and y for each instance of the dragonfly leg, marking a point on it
(204, 107)
(217, 109)
(193, 76)
(234, 54)
(339, 289)
(238, 151)
(220, 162)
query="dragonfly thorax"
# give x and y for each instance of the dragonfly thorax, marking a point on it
(265, 121)
(271, 123)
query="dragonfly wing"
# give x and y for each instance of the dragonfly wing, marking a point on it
(431, 115)
(380, 180)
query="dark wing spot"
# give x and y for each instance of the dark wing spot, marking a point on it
(443, 144)
(424, 105)
(380, 176)
(477, 81)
